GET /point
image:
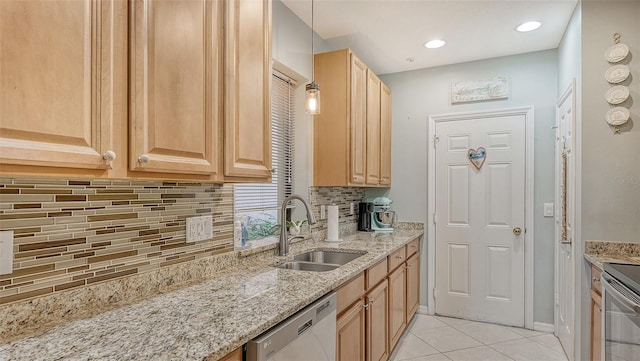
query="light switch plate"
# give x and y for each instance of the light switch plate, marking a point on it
(548, 209)
(323, 212)
(351, 208)
(6, 252)
(199, 228)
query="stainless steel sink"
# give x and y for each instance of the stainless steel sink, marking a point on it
(320, 261)
(308, 266)
(328, 257)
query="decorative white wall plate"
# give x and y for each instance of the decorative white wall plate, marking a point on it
(617, 74)
(477, 156)
(478, 90)
(617, 94)
(617, 116)
(616, 53)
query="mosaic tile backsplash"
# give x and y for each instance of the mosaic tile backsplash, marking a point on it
(74, 233)
(340, 196)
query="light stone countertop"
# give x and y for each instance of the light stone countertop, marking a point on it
(210, 319)
(600, 252)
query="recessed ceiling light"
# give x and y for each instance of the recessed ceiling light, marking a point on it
(528, 26)
(433, 44)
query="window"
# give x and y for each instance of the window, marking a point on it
(257, 204)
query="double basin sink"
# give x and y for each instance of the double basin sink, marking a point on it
(320, 261)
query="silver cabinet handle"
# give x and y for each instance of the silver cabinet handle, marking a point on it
(596, 279)
(109, 156)
(144, 158)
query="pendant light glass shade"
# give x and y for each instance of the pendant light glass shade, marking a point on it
(312, 96)
(312, 99)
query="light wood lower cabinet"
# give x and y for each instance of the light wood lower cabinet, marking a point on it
(176, 90)
(375, 306)
(413, 285)
(57, 82)
(236, 355)
(397, 304)
(377, 302)
(350, 343)
(596, 314)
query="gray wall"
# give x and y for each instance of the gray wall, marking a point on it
(418, 94)
(611, 162)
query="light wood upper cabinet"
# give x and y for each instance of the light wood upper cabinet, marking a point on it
(248, 80)
(385, 136)
(176, 86)
(57, 82)
(347, 133)
(373, 128)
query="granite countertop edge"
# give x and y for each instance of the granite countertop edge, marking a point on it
(240, 304)
(599, 252)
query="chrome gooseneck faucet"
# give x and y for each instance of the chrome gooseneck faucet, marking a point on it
(283, 250)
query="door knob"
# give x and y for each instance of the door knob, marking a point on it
(517, 231)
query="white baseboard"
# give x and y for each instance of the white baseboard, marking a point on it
(423, 310)
(543, 327)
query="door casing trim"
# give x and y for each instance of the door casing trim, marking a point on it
(528, 113)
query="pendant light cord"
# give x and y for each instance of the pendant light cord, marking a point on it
(313, 72)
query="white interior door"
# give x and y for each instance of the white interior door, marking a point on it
(480, 263)
(565, 180)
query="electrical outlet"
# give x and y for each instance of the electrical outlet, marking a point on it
(199, 228)
(6, 252)
(351, 208)
(323, 212)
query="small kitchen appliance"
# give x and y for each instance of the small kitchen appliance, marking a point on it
(382, 217)
(365, 212)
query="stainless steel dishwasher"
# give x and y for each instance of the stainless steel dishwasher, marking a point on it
(308, 335)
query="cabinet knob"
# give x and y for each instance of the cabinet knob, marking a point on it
(366, 306)
(596, 279)
(371, 301)
(109, 156)
(400, 257)
(144, 158)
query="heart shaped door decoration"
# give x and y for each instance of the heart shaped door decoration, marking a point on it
(477, 156)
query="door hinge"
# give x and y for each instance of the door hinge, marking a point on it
(436, 139)
(434, 293)
(435, 218)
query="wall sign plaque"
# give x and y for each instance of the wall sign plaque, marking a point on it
(477, 156)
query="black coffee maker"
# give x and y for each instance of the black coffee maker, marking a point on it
(365, 210)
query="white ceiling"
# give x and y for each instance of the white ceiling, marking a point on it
(385, 33)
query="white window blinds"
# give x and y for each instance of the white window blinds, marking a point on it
(261, 196)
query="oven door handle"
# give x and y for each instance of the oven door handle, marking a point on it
(610, 285)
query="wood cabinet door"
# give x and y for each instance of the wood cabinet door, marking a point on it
(350, 335)
(413, 286)
(57, 82)
(248, 83)
(397, 304)
(175, 86)
(358, 124)
(373, 128)
(385, 136)
(596, 326)
(235, 355)
(377, 301)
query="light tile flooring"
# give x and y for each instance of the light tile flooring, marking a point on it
(436, 338)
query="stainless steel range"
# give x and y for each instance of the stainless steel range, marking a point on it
(621, 316)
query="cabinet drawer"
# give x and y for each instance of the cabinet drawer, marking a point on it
(596, 284)
(375, 274)
(350, 292)
(413, 247)
(397, 257)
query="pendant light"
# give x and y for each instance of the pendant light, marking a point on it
(312, 97)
